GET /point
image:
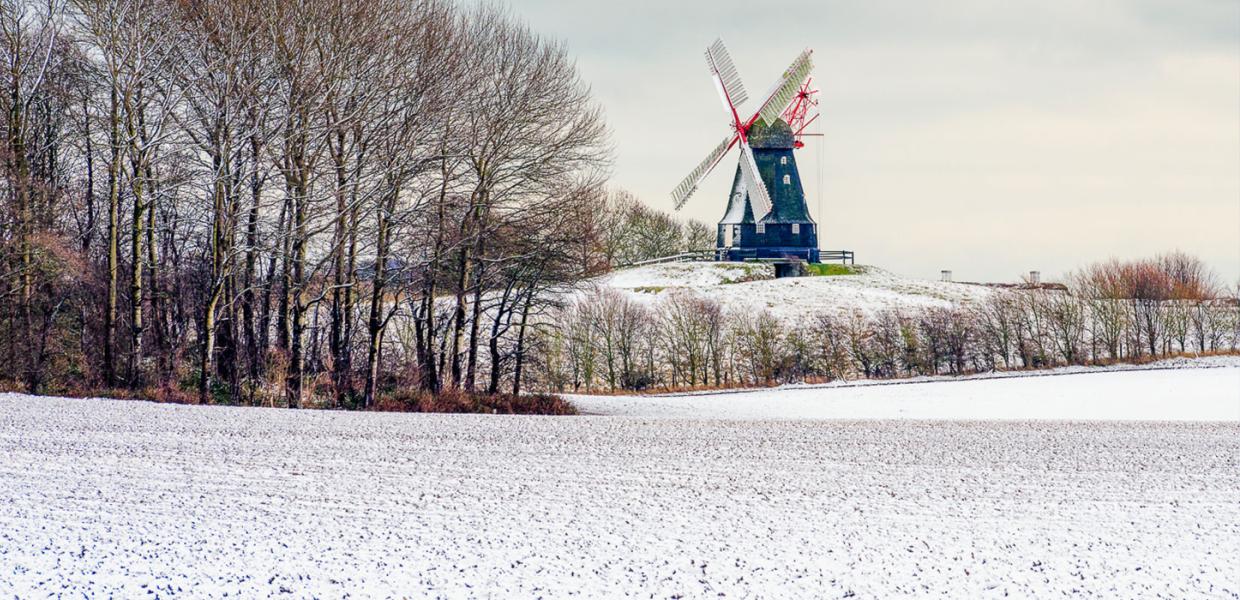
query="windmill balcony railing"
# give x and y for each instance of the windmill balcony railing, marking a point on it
(844, 256)
(693, 256)
(746, 254)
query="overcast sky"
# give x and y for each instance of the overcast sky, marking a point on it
(989, 138)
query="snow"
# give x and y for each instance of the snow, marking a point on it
(1206, 389)
(743, 286)
(112, 498)
(687, 274)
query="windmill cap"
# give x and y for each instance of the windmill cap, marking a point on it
(777, 135)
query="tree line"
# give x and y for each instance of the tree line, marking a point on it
(333, 202)
(630, 232)
(1107, 312)
(233, 199)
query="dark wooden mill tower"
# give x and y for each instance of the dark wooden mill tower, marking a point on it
(786, 231)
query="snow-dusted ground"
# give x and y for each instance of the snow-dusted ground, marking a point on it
(743, 286)
(104, 498)
(1203, 389)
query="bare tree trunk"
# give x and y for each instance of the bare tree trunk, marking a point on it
(137, 238)
(502, 312)
(349, 303)
(278, 253)
(164, 361)
(19, 172)
(335, 338)
(458, 319)
(375, 322)
(284, 310)
(219, 256)
(475, 321)
(433, 375)
(479, 254)
(251, 260)
(297, 304)
(113, 268)
(520, 351)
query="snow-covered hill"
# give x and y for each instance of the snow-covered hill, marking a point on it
(743, 286)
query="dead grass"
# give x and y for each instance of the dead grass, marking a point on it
(457, 401)
(404, 400)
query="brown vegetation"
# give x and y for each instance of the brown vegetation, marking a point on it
(459, 401)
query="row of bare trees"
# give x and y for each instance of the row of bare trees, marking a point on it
(630, 232)
(238, 197)
(1111, 311)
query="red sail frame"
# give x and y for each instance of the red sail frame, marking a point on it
(797, 116)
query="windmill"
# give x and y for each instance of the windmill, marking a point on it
(766, 215)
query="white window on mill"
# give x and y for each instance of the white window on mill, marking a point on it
(783, 160)
(796, 229)
(760, 228)
(787, 179)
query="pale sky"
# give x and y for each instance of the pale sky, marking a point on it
(989, 138)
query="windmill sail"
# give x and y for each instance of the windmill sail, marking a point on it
(690, 183)
(784, 90)
(759, 198)
(726, 76)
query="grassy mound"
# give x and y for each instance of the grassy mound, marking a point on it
(829, 269)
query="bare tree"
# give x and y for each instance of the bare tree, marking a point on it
(31, 49)
(533, 125)
(834, 346)
(1101, 288)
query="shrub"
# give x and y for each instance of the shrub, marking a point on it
(459, 401)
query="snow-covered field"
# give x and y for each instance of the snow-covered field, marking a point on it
(742, 286)
(1204, 389)
(102, 498)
